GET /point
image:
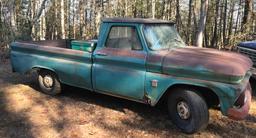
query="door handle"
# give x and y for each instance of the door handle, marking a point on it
(101, 54)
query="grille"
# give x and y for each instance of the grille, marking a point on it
(249, 52)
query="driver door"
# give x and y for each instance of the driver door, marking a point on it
(119, 66)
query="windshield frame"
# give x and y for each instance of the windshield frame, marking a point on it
(163, 49)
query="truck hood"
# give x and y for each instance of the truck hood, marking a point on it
(205, 64)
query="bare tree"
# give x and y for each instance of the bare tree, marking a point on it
(231, 20)
(225, 21)
(202, 22)
(62, 20)
(215, 30)
(189, 22)
(153, 8)
(39, 12)
(247, 15)
(178, 16)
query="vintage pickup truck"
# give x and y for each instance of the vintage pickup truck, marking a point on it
(144, 60)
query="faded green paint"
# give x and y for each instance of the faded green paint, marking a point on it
(74, 69)
(82, 45)
(126, 74)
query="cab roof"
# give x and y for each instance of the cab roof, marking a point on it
(137, 20)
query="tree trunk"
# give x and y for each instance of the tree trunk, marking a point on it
(43, 26)
(56, 19)
(11, 8)
(195, 27)
(135, 9)
(215, 31)
(238, 14)
(247, 15)
(69, 19)
(1, 14)
(202, 22)
(163, 9)
(224, 22)
(231, 21)
(170, 10)
(153, 8)
(148, 9)
(189, 22)
(126, 8)
(74, 20)
(220, 26)
(39, 12)
(178, 18)
(63, 36)
(81, 19)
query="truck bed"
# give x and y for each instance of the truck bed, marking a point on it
(73, 66)
(65, 43)
(83, 45)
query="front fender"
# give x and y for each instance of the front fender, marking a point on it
(164, 82)
(226, 93)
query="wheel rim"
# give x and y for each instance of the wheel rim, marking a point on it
(48, 81)
(183, 110)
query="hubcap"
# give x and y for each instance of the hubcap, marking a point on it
(183, 110)
(48, 81)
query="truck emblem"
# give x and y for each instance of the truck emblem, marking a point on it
(154, 83)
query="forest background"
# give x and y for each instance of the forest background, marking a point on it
(219, 24)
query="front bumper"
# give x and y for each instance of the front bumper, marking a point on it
(243, 111)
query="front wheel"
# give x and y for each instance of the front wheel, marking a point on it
(188, 110)
(48, 82)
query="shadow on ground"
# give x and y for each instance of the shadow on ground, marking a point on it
(12, 124)
(146, 118)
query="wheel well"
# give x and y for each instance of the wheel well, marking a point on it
(38, 69)
(208, 95)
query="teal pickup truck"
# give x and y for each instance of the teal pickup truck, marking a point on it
(144, 60)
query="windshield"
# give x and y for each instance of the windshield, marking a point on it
(162, 36)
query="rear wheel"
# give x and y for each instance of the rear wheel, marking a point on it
(188, 110)
(48, 82)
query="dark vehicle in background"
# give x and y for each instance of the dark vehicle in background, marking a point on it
(249, 48)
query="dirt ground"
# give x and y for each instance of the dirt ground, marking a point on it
(25, 112)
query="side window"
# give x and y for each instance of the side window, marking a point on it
(123, 38)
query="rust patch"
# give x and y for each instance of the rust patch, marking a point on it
(157, 56)
(241, 113)
(217, 61)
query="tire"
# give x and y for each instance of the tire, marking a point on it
(188, 110)
(49, 83)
